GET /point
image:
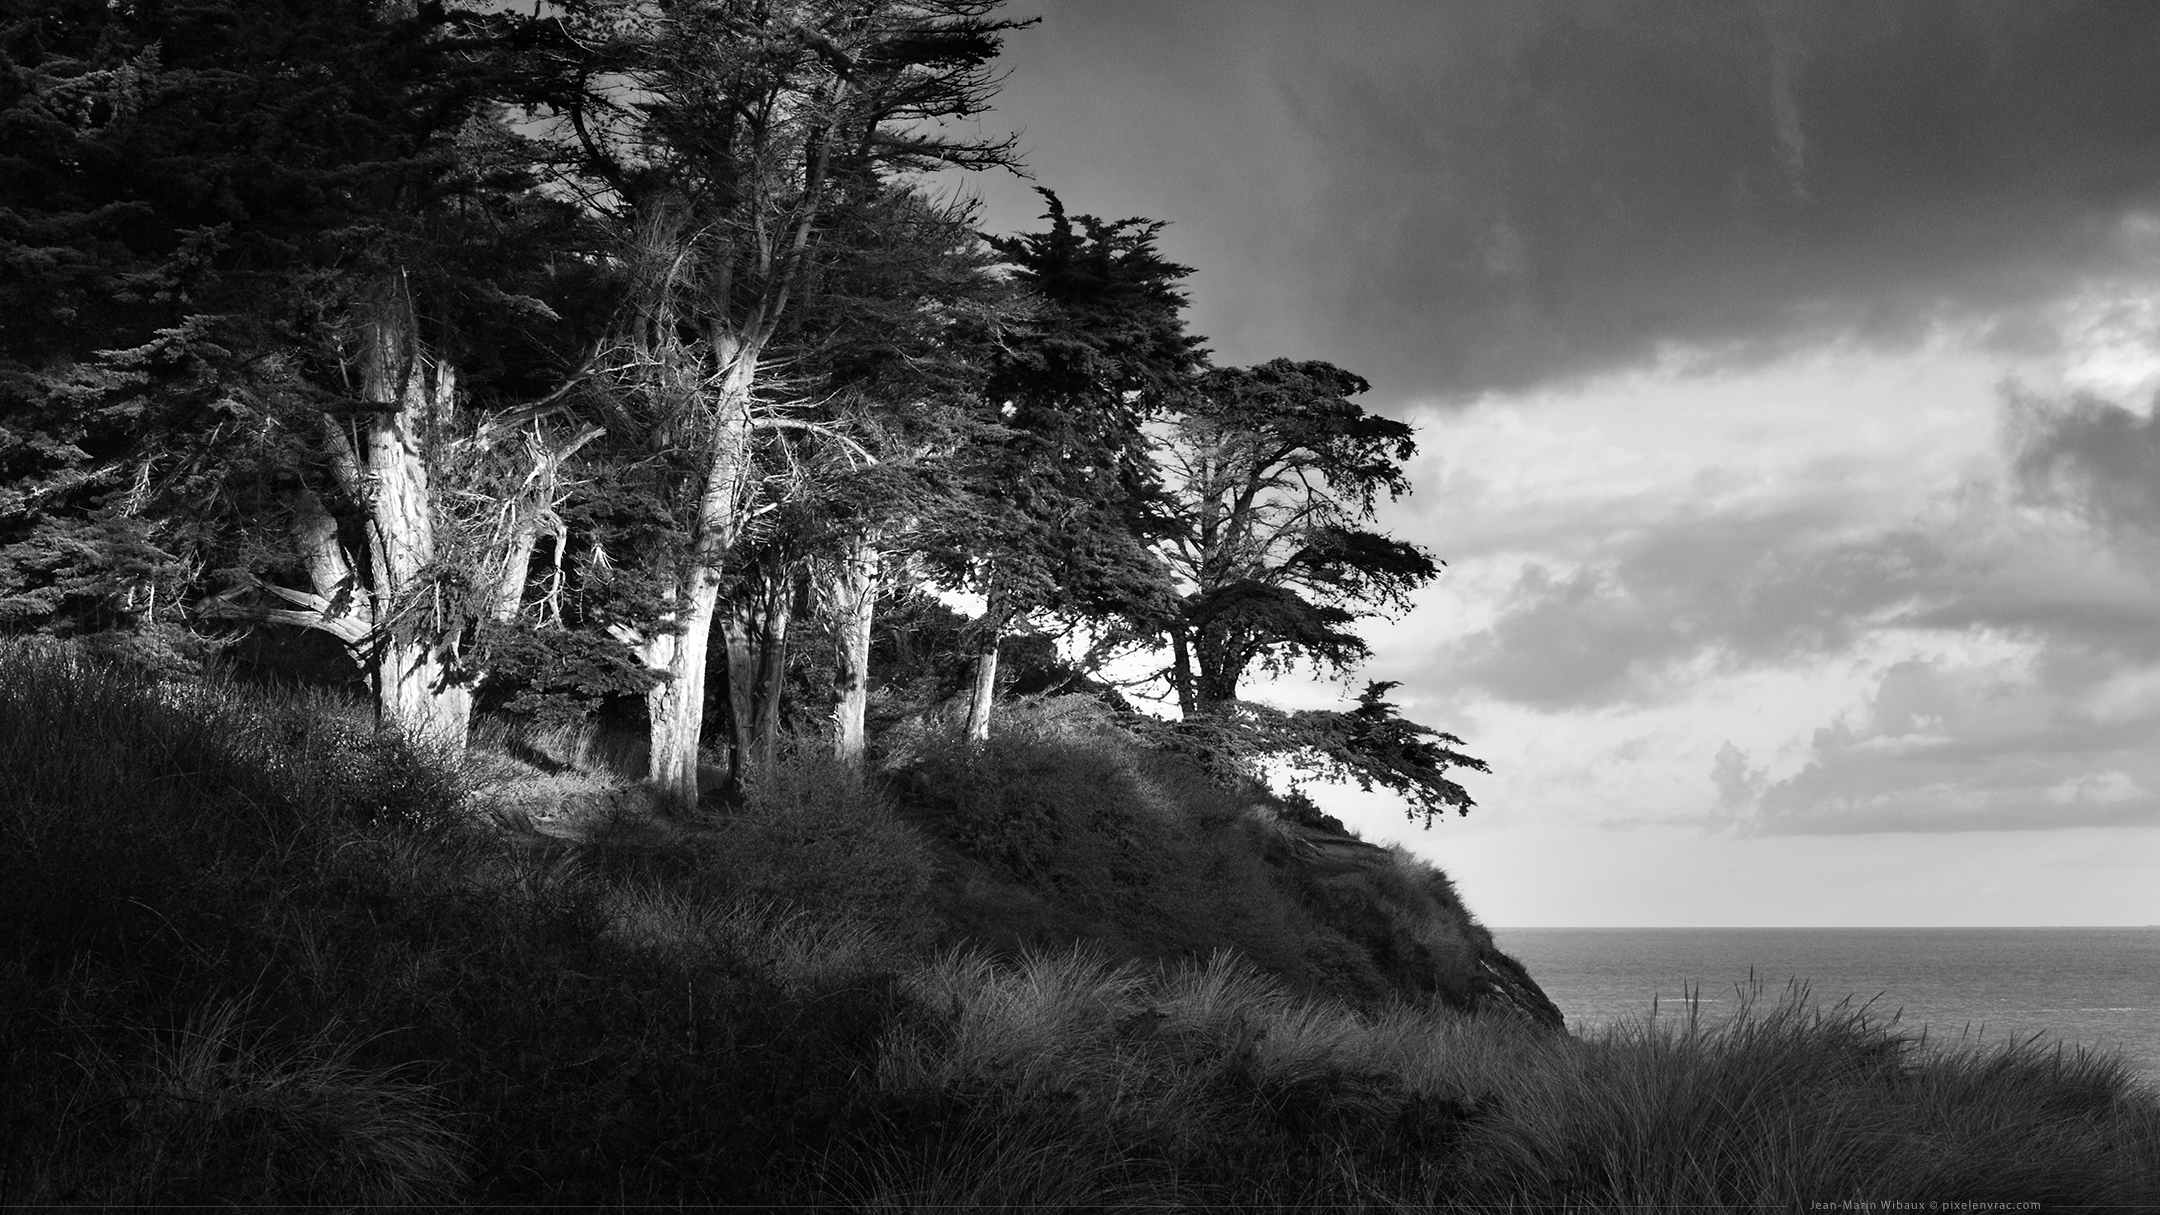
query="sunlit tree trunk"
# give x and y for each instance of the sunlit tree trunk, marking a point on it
(677, 706)
(418, 686)
(516, 570)
(378, 597)
(532, 515)
(852, 591)
(986, 668)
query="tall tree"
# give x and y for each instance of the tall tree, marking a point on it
(1271, 477)
(892, 346)
(1058, 466)
(719, 134)
(420, 258)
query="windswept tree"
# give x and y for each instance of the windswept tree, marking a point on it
(721, 137)
(891, 349)
(1058, 467)
(1271, 475)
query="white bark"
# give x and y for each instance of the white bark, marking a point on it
(986, 665)
(516, 570)
(677, 707)
(531, 514)
(407, 646)
(677, 704)
(852, 591)
(412, 645)
(419, 692)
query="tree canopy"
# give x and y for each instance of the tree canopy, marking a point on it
(616, 357)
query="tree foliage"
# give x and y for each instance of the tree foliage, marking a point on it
(1372, 746)
(1056, 470)
(524, 354)
(726, 143)
(1272, 475)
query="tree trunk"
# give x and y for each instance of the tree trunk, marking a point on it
(678, 710)
(772, 661)
(412, 643)
(676, 705)
(741, 691)
(986, 664)
(1220, 669)
(416, 689)
(516, 570)
(532, 516)
(1181, 672)
(852, 592)
(402, 631)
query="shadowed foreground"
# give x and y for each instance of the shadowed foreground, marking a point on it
(253, 952)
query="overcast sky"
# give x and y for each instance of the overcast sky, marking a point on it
(1784, 380)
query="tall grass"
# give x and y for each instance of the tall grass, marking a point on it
(215, 1111)
(1208, 1083)
(152, 834)
(253, 952)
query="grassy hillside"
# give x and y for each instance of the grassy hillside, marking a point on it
(252, 952)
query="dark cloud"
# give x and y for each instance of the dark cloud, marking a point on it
(1453, 198)
(1743, 179)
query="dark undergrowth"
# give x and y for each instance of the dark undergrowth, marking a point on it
(252, 952)
(1059, 832)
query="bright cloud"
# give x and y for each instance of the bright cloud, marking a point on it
(1832, 597)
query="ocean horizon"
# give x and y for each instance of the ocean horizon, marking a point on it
(2095, 987)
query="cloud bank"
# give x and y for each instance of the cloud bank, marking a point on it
(1568, 187)
(1986, 587)
(1471, 197)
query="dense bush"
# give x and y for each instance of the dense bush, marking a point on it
(1066, 831)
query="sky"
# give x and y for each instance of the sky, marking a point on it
(1784, 380)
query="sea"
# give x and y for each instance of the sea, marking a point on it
(2096, 987)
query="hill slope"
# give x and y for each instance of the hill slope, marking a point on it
(252, 952)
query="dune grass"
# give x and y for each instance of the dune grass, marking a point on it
(253, 952)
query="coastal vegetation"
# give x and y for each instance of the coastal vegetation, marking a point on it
(573, 632)
(625, 357)
(256, 950)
